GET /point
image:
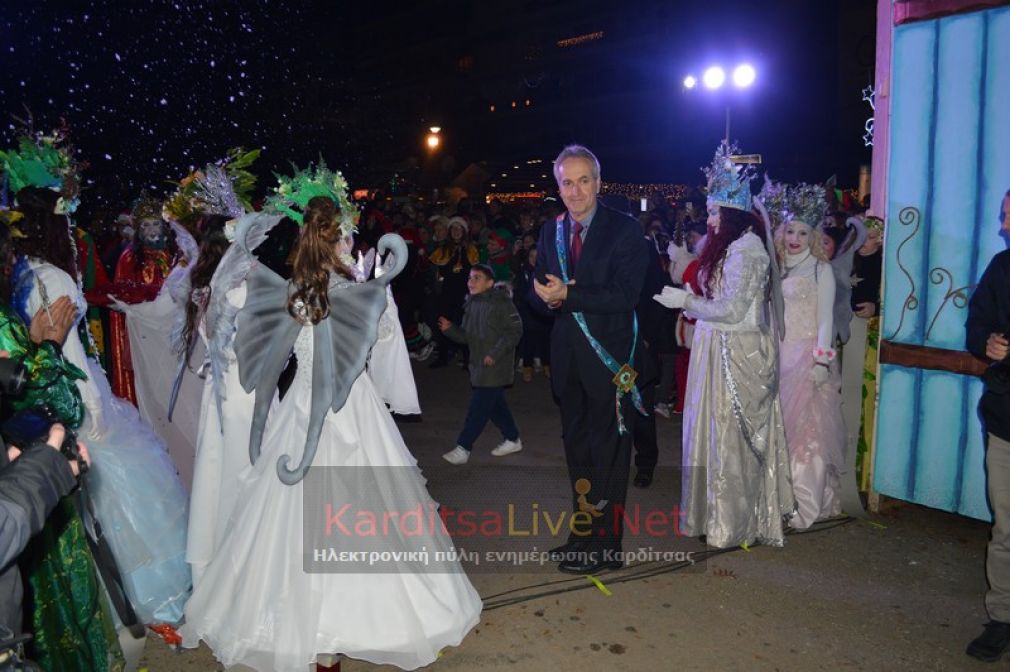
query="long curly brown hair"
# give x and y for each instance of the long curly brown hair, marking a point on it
(213, 245)
(733, 223)
(48, 236)
(314, 258)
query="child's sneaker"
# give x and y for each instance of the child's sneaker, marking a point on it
(663, 410)
(507, 448)
(458, 455)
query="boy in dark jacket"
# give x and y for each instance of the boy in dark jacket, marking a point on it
(492, 329)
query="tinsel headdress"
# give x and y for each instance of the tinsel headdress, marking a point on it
(46, 162)
(805, 203)
(728, 181)
(145, 207)
(773, 196)
(293, 194)
(221, 188)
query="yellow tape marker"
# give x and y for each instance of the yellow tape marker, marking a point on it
(883, 527)
(599, 584)
(745, 547)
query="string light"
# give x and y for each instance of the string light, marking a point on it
(580, 39)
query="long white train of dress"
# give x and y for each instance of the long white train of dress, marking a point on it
(138, 497)
(735, 486)
(257, 606)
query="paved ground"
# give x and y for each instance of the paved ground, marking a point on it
(902, 591)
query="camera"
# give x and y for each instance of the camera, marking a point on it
(30, 428)
(13, 376)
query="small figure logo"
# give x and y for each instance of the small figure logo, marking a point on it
(582, 487)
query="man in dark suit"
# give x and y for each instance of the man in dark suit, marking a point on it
(605, 259)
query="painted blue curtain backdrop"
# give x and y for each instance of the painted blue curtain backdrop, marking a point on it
(949, 169)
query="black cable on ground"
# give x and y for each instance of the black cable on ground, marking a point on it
(626, 574)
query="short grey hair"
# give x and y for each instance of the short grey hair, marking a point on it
(577, 152)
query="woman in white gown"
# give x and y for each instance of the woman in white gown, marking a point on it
(736, 488)
(139, 500)
(225, 408)
(257, 604)
(810, 387)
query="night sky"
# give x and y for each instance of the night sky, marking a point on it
(150, 90)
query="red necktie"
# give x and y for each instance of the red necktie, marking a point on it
(576, 244)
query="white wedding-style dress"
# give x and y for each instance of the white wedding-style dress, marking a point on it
(257, 606)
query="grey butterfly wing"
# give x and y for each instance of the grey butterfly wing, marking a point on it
(220, 317)
(341, 344)
(264, 337)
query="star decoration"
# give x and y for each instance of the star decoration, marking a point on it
(868, 95)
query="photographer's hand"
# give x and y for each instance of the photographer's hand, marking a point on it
(55, 441)
(997, 347)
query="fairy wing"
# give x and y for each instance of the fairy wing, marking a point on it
(250, 232)
(341, 342)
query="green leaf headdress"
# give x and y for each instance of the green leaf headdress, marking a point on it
(293, 194)
(46, 162)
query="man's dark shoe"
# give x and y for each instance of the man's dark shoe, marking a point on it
(643, 478)
(991, 644)
(565, 550)
(589, 562)
(438, 364)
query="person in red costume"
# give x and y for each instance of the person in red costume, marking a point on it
(140, 272)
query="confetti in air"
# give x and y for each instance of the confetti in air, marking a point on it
(149, 89)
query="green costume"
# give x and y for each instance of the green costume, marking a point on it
(70, 619)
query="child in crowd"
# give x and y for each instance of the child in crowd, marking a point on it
(492, 329)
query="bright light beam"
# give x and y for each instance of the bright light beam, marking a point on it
(714, 77)
(744, 75)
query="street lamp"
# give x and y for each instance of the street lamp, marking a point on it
(714, 77)
(433, 138)
(744, 75)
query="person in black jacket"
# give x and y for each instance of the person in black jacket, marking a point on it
(31, 484)
(594, 343)
(988, 336)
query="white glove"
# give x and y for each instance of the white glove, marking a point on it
(118, 305)
(676, 252)
(672, 297)
(819, 374)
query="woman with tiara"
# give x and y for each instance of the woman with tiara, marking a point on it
(810, 381)
(138, 498)
(736, 487)
(268, 599)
